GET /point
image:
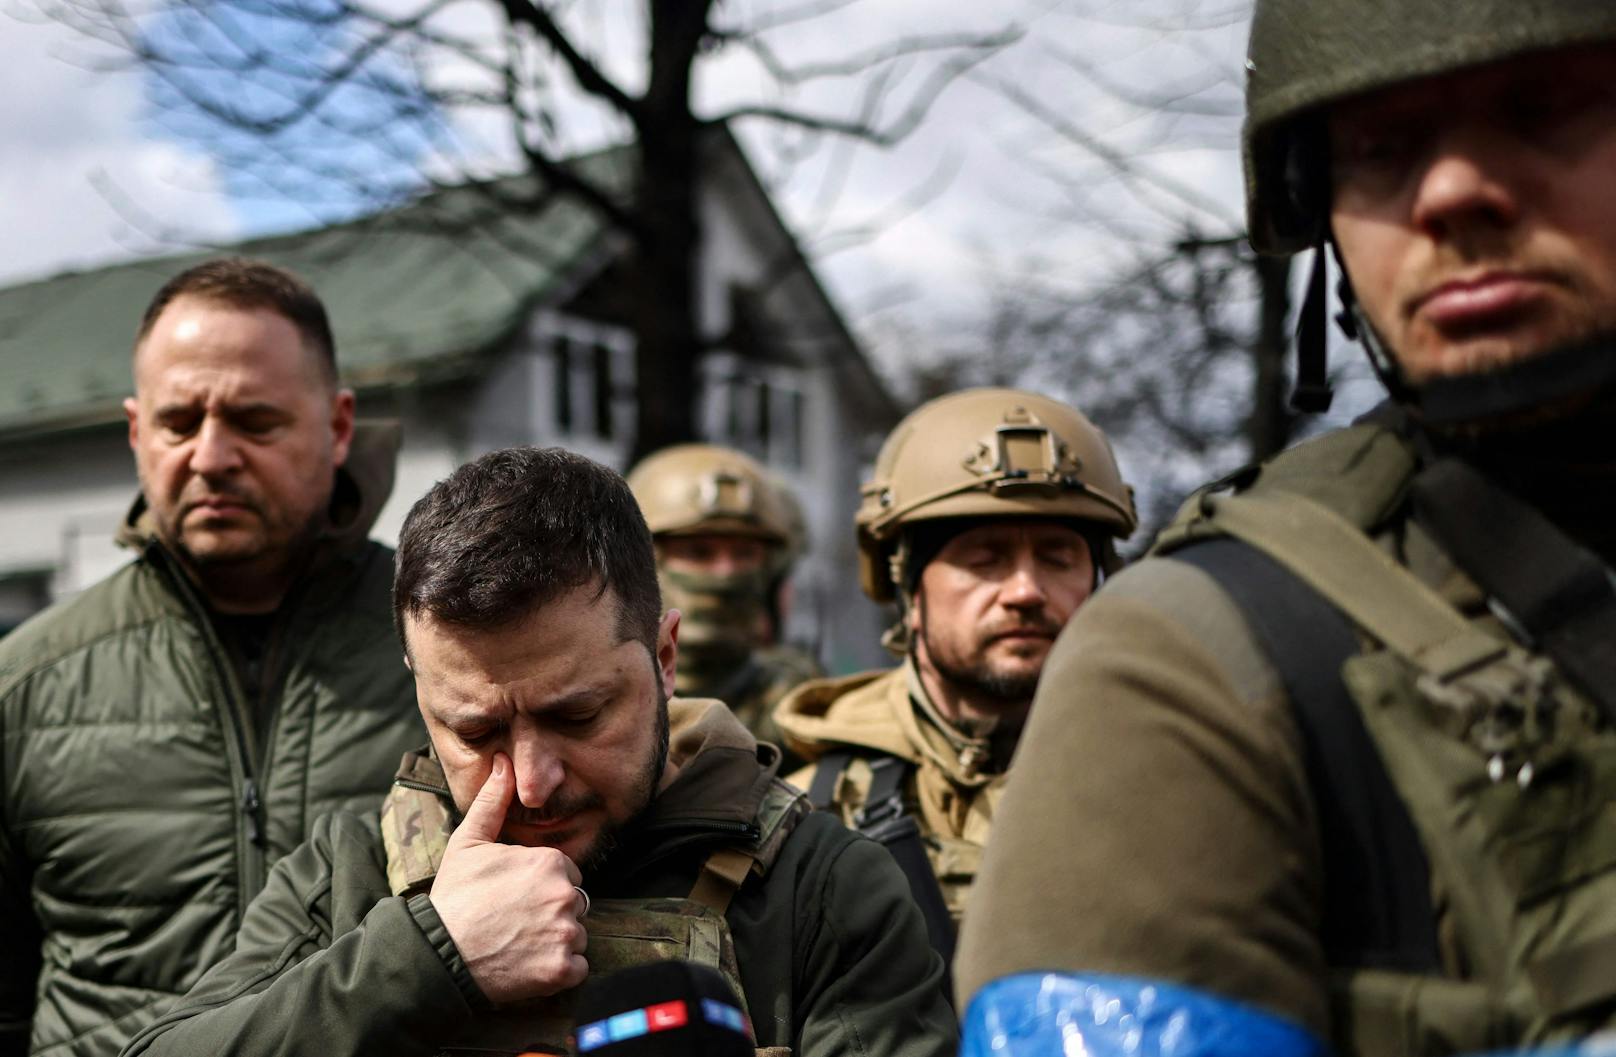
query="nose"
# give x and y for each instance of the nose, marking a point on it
(214, 453)
(539, 772)
(1023, 589)
(1467, 183)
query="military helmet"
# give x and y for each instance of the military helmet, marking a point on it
(987, 453)
(1305, 54)
(692, 489)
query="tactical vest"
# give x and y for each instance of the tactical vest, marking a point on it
(416, 823)
(1504, 772)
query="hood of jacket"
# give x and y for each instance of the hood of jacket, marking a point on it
(362, 486)
(883, 711)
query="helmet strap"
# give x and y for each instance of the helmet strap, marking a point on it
(1355, 326)
(896, 637)
(1313, 393)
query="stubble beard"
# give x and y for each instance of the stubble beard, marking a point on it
(979, 677)
(597, 858)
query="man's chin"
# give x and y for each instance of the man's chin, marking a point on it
(228, 547)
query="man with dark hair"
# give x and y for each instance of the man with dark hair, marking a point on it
(569, 819)
(170, 732)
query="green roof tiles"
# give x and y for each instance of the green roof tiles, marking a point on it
(413, 294)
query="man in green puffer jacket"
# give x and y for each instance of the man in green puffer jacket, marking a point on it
(169, 733)
(458, 921)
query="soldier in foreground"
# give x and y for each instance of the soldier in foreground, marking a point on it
(168, 733)
(1344, 751)
(569, 819)
(726, 536)
(992, 516)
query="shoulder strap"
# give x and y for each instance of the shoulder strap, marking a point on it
(1337, 560)
(1377, 903)
(822, 790)
(727, 868)
(883, 818)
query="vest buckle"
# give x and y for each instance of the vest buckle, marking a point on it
(1504, 706)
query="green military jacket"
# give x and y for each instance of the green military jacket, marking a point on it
(832, 955)
(1160, 822)
(952, 789)
(141, 807)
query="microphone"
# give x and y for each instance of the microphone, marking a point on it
(661, 1009)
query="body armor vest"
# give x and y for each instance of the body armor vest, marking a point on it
(1506, 771)
(416, 823)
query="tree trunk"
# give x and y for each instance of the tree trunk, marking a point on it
(664, 263)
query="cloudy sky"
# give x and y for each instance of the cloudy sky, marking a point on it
(88, 176)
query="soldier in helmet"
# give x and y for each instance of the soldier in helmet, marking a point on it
(726, 539)
(1339, 763)
(992, 516)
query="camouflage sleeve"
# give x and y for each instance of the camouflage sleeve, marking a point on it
(1157, 821)
(327, 961)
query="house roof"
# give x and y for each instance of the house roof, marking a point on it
(414, 294)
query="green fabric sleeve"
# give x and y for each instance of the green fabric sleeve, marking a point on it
(1157, 821)
(382, 987)
(873, 986)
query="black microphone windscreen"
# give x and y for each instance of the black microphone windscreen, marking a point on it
(661, 1009)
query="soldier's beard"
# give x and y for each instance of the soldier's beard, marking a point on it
(977, 676)
(598, 856)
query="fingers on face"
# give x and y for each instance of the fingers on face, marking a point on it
(485, 816)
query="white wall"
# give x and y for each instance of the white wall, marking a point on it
(61, 501)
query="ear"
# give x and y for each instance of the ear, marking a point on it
(131, 411)
(913, 617)
(667, 655)
(342, 425)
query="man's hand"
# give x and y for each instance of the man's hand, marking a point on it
(512, 911)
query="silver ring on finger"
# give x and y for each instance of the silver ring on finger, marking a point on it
(585, 895)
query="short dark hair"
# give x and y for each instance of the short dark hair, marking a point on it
(518, 529)
(245, 283)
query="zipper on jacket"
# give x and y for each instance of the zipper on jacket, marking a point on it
(249, 875)
(253, 809)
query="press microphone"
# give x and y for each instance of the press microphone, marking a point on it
(661, 1009)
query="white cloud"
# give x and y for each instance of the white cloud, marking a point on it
(81, 182)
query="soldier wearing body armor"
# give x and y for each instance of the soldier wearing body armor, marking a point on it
(568, 820)
(1342, 753)
(726, 540)
(992, 515)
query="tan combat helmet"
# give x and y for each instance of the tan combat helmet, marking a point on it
(692, 489)
(988, 453)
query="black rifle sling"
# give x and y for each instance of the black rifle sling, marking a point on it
(1377, 898)
(1559, 592)
(883, 818)
(822, 790)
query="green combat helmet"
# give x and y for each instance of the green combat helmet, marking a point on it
(1307, 54)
